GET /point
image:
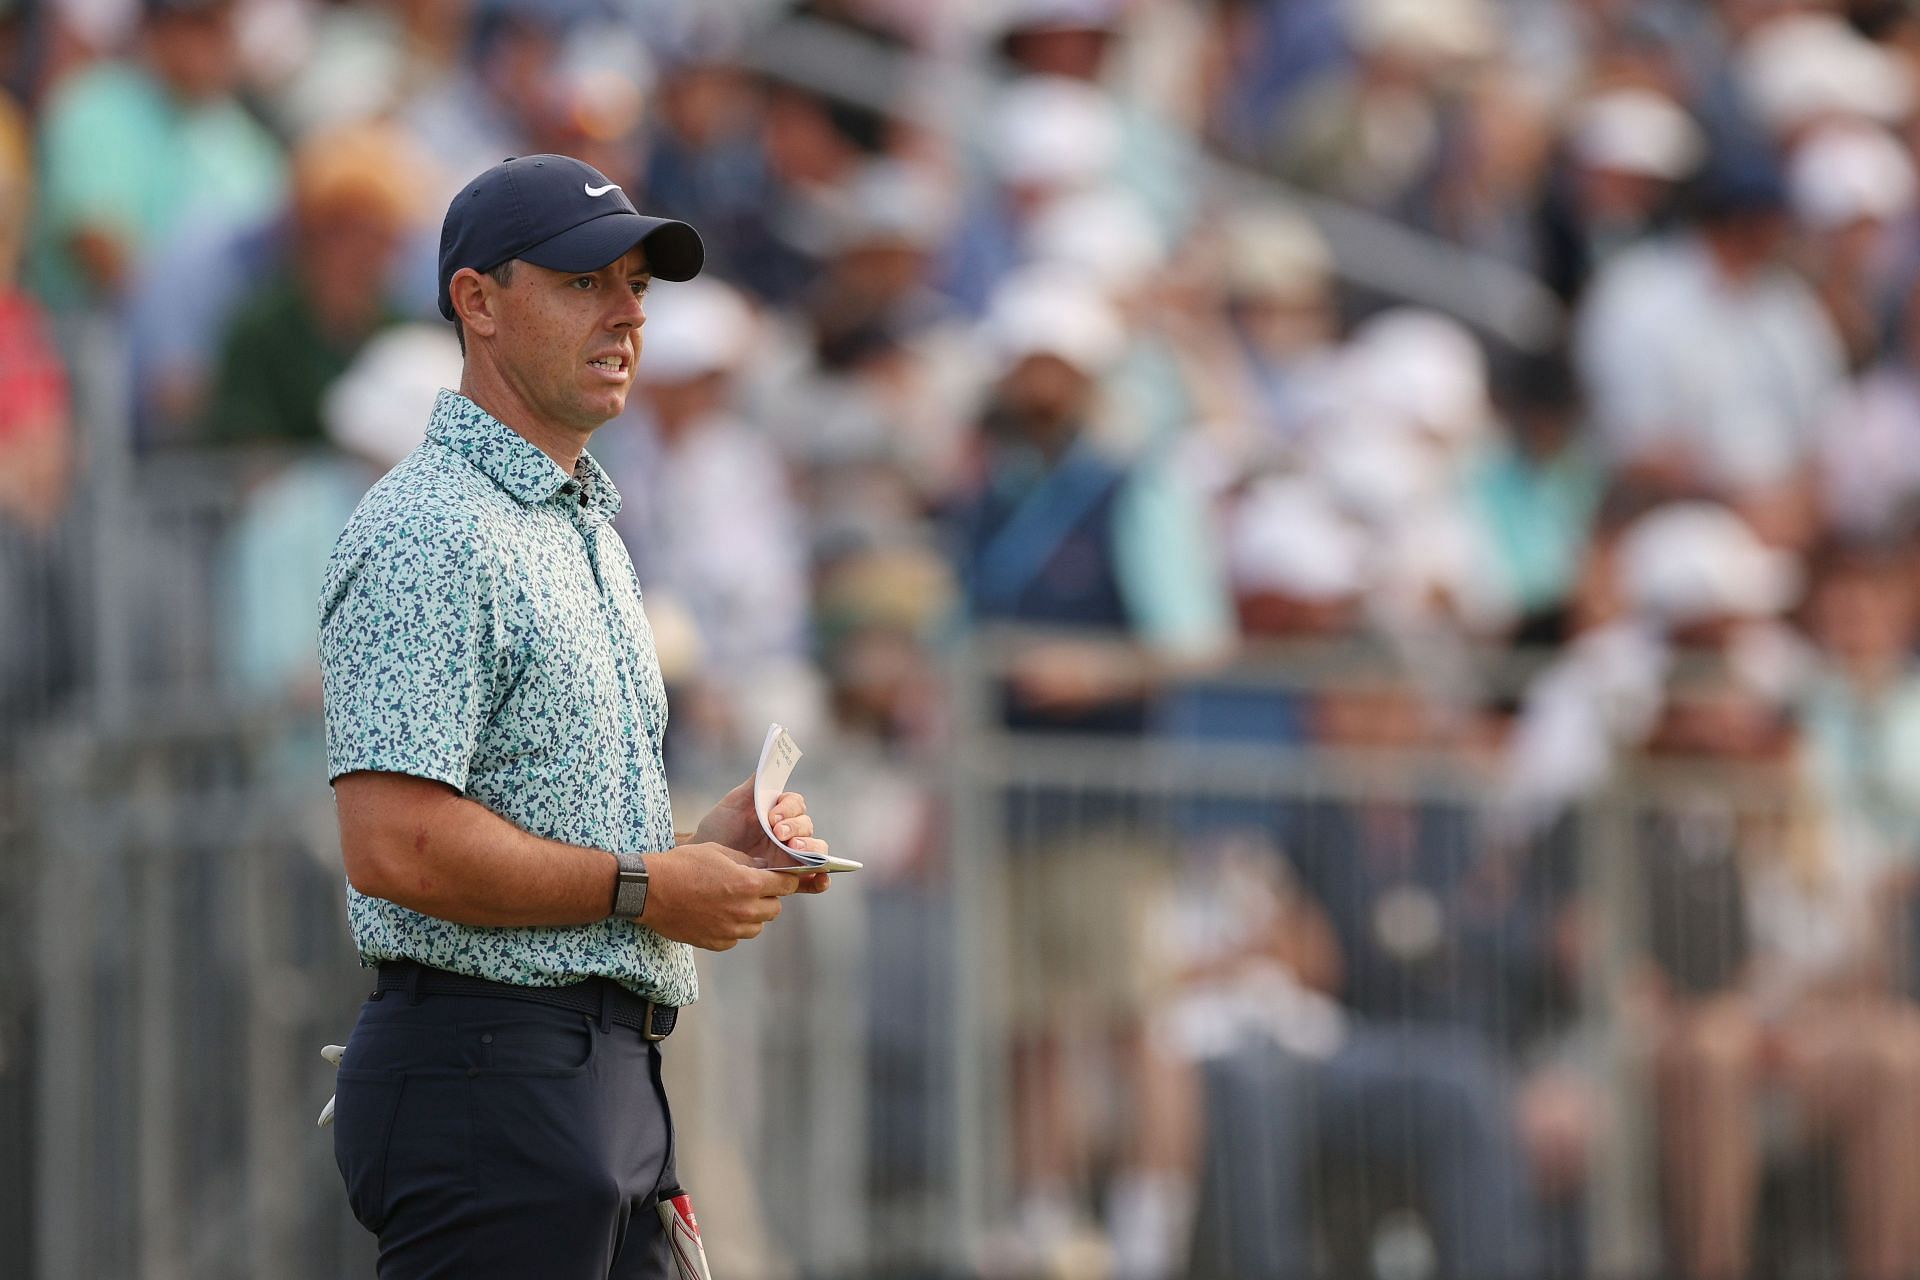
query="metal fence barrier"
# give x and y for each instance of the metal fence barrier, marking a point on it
(891, 1080)
(862, 1090)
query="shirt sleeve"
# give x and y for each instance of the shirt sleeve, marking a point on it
(407, 641)
(1169, 570)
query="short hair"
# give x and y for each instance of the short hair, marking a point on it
(501, 275)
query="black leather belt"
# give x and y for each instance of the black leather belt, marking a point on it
(596, 997)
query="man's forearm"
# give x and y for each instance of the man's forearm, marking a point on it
(432, 850)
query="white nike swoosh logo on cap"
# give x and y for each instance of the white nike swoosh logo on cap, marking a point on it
(600, 191)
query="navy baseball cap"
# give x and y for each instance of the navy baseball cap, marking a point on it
(559, 213)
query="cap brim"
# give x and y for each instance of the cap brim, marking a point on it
(674, 251)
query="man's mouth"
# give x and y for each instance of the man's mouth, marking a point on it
(611, 364)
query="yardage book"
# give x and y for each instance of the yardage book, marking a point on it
(777, 758)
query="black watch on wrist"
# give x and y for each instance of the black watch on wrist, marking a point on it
(630, 886)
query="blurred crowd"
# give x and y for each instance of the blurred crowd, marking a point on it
(1048, 312)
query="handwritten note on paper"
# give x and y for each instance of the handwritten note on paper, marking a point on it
(778, 757)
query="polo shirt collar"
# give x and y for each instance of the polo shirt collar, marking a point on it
(514, 462)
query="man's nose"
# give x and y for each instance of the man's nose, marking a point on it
(631, 314)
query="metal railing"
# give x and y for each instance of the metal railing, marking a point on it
(849, 1090)
(177, 954)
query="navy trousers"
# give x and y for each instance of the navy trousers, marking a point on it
(484, 1137)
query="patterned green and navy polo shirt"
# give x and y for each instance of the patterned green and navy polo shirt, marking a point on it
(481, 625)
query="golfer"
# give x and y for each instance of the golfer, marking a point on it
(494, 717)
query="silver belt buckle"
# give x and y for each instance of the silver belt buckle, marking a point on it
(646, 1031)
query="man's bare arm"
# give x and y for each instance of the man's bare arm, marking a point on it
(424, 846)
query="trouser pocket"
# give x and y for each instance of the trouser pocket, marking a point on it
(365, 1103)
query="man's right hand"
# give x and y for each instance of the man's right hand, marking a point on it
(710, 896)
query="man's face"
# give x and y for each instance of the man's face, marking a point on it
(1045, 390)
(194, 52)
(1863, 615)
(345, 256)
(1746, 244)
(567, 342)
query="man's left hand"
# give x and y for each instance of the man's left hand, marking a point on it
(734, 824)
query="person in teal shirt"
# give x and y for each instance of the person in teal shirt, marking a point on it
(133, 151)
(1535, 494)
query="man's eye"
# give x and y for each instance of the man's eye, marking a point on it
(583, 282)
(639, 289)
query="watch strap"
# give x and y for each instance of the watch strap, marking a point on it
(630, 886)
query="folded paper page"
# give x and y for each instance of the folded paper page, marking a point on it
(777, 759)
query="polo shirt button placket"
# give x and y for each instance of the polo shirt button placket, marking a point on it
(589, 540)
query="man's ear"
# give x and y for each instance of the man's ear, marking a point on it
(472, 295)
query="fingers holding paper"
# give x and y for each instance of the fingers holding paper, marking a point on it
(793, 826)
(791, 821)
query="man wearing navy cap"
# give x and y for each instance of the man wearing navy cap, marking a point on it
(494, 718)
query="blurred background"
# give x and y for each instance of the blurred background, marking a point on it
(1351, 568)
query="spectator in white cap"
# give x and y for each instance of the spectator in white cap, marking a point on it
(882, 235)
(1693, 568)
(1684, 574)
(1108, 237)
(373, 415)
(883, 227)
(1773, 936)
(1299, 566)
(871, 394)
(1046, 137)
(1625, 152)
(1053, 316)
(1708, 361)
(1850, 177)
(1053, 135)
(275, 554)
(1276, 353)
(1852, 188)
(1061, 37)
(711, 523)
(1426, 370)
(1081, 40)
(1635, 132)
(1415, 412)
(1802, 70)
(1119, 565)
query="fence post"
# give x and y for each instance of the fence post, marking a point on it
(1625, 1243)
(278, 1006)
(162, 1199)
(65, 911)
(976, 867)
(104, 402)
